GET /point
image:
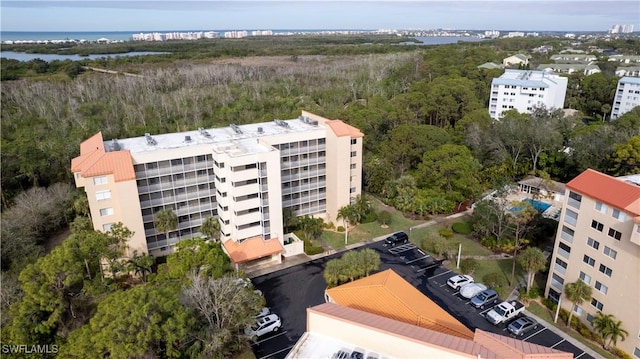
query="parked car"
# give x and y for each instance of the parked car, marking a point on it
(263, 312)
(470, 290)
(522, 326)
(396, 238)
(341, 354)
(265, 325)
(485, 298)
(504, 312)
(459, 280)
(357, 355)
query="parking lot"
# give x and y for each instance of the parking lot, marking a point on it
(290, 291)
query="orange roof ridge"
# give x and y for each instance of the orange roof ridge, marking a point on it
(252, 248)
(387, 294)
(342, 129)
(507, 347)
(608, 189)
(95, 161)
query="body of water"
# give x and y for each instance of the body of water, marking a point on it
(442, 40)
(23, 56)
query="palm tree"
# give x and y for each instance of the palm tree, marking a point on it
(520, 223)
(608, 327)
(166, 221)
(532, 260)
(311, 227)
(289, 219)
(349, 215)
(211, 228)
(577, 293)
(141, 264)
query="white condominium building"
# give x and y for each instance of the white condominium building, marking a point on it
(627, 96)
(244, 175)
(598, 242)
(523, 90)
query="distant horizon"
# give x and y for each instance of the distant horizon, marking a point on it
(115, 16)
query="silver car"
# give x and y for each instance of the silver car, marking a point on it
(522, 326)
(485, 298)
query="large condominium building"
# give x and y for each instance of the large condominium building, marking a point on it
(627, 96)
(598, 242)
(523, 90)
(245, 175)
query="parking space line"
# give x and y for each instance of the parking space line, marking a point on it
(437, 275)
(583, 353)
(415, 260)
(536, 333)
(557, 343)
(279, 351)
(275, 336)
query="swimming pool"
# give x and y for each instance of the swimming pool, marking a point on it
(538, 205)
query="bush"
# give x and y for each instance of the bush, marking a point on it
(370, 217)
(620, 353)
(340, 229)
(489, 242)
(549, 303)
(446, 233)
(311, 249)
(462, 227)
(495, 280)
(468, 265)
(384, 217)
(329, 225)
(534, 293)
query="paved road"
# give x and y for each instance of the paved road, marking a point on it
(290, 291)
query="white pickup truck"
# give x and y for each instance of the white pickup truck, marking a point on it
(504, 311)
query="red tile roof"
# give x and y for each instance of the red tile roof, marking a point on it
(94, 161)
(506, 347)
(252, 248)
(341, 129)
(388, 295)
(609, 190)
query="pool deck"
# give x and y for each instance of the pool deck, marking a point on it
(552, 212)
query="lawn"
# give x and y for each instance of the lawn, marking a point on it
(470, 247)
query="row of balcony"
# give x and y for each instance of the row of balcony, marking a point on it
(175, 184)
(172, 199)
(303, 200)
(153, 172)
(303, 175)
(302, 150)
(303, 187)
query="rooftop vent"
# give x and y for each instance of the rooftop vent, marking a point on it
(115, 146)
(150, 140)
(260, 130)
(281, 123)
(204, 132)
(187, 138)
(236, 128)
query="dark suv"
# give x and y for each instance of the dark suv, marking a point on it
(396, 238)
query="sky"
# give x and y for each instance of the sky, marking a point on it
(154, 15)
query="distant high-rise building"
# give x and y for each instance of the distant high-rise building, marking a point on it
(621, 29)
(523, 90)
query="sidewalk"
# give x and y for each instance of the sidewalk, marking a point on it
(303, 258)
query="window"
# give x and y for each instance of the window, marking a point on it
(560, 266)
(577, 310)
(103, 195)
(615, 234)
(601, 287)
(574, 200)
(354, 141)
(585, 277)
(601, 207)
(590, 261)
(352, 190)
(610, 252)
(589, 318)
(567, 234)
(593, 243)
(597, 225)
(564, 250)
(107, 227)
(570, 217)
(636, 352)
(353, 166)
(557, 281)
(606, 270)
(619, 215)
(100, 180)
(353, 153)
(597, 304)
(106, 211)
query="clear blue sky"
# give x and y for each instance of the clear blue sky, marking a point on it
(118, 15)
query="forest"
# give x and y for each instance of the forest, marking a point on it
(429, 143)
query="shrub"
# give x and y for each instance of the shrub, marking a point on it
(311, 249)
(489, 242)
(549, 303)
(534, 292)
(462, 227)
(563, 314)
(446, 233)
(620, 353)
(329, 225)
(340, 229)
(574, 322)
(495, 280)
(370, 217)
(468, 265)
(384, 217)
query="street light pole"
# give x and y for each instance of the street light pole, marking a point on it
(555, 319)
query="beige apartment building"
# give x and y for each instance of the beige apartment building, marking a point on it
(598, 242)
(244, 175)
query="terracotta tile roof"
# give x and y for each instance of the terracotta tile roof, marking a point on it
(609, 190)
(403, 330)
(252, 248)
(341, 129)
(94, 161)
(506, 347)
(388, 295)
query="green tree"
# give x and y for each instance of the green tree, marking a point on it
(166, 221)
(145, 321)
(606, 108)
(625, 158)
(211, 228)
(520, 222)
(453, 169)
(491, 217)
(289, 219)
(195, 255)
(408, 142)
(349, 215)
(532, 260)
(608, 328)
(141, 265)
(311, 227)
(384, 218)
(577, 292)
